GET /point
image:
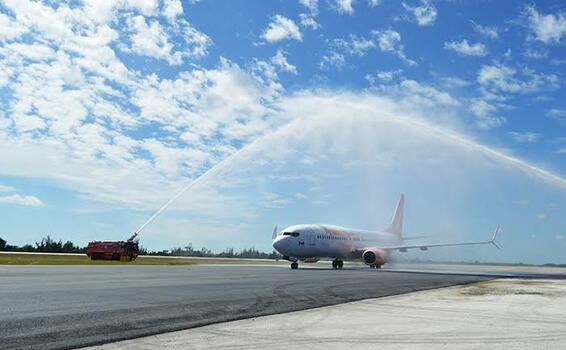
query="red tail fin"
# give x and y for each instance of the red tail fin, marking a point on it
(396, 226)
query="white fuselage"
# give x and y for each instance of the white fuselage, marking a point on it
(314, 240)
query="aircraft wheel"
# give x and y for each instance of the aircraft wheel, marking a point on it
(372, 266)
(294, 266)
(340, 264)
(334, 264)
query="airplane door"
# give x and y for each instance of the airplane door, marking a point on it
(312, 239)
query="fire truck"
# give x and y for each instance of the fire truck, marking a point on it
(113, 250)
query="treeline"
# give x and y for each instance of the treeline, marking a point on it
(46, 245)
(49, 245)
(249, 253)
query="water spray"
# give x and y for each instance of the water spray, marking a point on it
(223, 163)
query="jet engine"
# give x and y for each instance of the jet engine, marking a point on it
(374, 256)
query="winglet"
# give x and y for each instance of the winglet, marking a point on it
(495, 234)
(274, 235)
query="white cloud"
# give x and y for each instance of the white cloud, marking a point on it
(464, 48)
(455, 82)
(374, 3)
(487, 31)
(389, 75)
(524, 137)
(29, 201)
(10, 30)
(282, 28)
(344, 6)
(503, 78)
(425, 14)
(312, 5)
(308, 21)
(4, 188)
(281, 61)
(151, 39)
(548, 29)
(172, 8)
(390, 41)
(334, 59)
(300, 195)
(354, 45)
(557, 114)
(484, 111)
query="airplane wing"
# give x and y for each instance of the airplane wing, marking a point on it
(405, 247)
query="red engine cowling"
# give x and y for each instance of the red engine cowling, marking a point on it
(374, 256)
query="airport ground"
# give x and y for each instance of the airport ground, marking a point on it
(58, 307)
(495, 314)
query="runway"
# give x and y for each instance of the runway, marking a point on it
(71, 306)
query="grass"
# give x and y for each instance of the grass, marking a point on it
(64, 259)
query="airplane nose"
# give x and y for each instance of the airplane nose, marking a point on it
(278, 243)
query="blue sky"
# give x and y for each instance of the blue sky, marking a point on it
(109, 108)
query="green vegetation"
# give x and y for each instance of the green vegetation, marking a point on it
(51, 252)
(14, 258)
(46, 245)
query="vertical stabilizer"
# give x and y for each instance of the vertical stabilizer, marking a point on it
(396, 226)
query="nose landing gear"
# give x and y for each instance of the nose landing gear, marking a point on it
(337, 264)
(294, 265)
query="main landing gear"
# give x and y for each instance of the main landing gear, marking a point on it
(337, 264)
(294, 265)
(374, 266)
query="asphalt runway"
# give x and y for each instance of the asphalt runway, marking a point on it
(72, 306)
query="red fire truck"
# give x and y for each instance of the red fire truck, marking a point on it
(113, 250)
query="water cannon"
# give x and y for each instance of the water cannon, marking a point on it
(134, 236)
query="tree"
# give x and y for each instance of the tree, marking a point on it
(69, 247)
(2, 244)
(49, 245)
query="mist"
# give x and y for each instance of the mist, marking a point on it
(344, 159)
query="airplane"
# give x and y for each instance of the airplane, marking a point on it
(308, 243)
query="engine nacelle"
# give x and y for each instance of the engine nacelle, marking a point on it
(310, 260)
(374, 256)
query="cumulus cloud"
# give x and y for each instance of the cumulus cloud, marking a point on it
(390, 41)
(280, 60)
(282, 28)
(424, 14)
(312, 5)
(334, 59)
(465, 49)
(487, 31)
(354, 45)
(374, 3)
(484, 111)
(549, 28)
(503, 78)
(15, 198)
(344, 6)
(308, 21)
(384, 75)
(29, 201)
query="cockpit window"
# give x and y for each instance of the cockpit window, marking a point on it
(294, 234)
